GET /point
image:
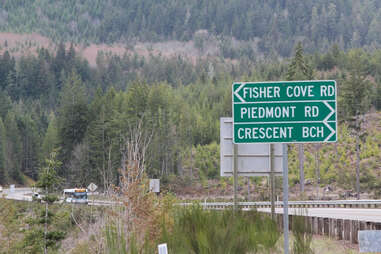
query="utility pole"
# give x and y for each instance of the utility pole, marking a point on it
(358, 166)
(358, 133)
(317, 168)
(285, 197)
(301, 166)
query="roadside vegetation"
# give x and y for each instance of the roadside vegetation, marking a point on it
(198, 231)
(186, 230)
(22, 226)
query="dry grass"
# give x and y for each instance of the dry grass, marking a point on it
(323, 245)
(90, 237)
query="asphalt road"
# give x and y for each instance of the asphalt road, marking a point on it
(18, 194)
(25, 194)
(369, 215)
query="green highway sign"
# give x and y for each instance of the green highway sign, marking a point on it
(284, 91)
(286, 132)
(284, 112)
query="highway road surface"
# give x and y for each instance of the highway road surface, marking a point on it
(369, 215)
(18, 194)
(25, 194)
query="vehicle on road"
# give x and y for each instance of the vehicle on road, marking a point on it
(77, 195)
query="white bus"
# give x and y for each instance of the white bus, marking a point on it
(77, 195)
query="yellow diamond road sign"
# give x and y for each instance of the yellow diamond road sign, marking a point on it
(92, 187)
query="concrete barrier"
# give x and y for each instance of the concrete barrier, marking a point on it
(369, 241)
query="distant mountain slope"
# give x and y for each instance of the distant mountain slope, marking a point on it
(277, 23)
(25, 44)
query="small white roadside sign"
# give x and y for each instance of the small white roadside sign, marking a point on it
(154, 185)
(369, 241)
(163, 248)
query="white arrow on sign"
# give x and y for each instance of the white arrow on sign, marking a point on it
(331, 113)
(325, 121)
(236, 93)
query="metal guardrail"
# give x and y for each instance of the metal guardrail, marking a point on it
(104, 202)
(364, 203)
(306, 204)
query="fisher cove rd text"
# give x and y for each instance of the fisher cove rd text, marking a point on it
(290, 91)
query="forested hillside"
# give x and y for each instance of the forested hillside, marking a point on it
(270, 26)
(167, 106)
(170, 106)
(116, 92)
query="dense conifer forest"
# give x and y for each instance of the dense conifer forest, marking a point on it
(55, 100)
(269, 26)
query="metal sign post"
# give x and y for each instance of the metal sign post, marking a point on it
(285, 198)
(235, 170)
(272, 180)
(92, 187)
(284, 112)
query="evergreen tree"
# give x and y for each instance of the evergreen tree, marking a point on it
(356, 101)
(73, 116)
(5, 104)
(3, 173)
(51, 140)
(60, 60)
(356, 88)
(299, 69)
(100, 139)
(13, 88)
(30, 146)
(13, 156)
(7, 64)
(48, 180)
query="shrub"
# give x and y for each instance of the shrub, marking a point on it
(208, 231)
